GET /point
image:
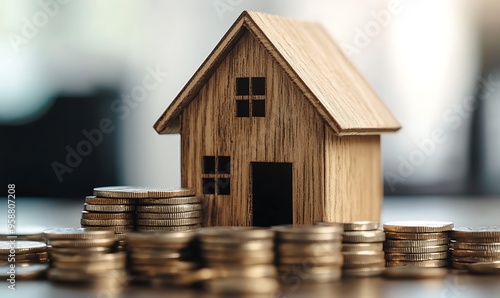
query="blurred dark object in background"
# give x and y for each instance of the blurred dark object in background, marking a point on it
(66, 152)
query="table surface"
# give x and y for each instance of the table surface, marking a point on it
(463, 211)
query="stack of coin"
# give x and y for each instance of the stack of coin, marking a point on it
(85, 256)
(363, 249)
(29, 233)
(310, 253)
(241, 260)
(22, 251)
(169, 210)
(162, 255)
(473, 245)
(417, 243)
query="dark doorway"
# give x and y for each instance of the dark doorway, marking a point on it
(271, 193)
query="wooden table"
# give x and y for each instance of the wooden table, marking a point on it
(464, 211)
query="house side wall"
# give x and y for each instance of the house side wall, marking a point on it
(353, 181)
(291, 131)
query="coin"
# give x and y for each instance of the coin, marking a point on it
(29, 233)
(479, 232)
(243, 246)
(189, 278)
(95, 257)
(115, 229)
(424, 264)
(241, 286)
(109, 208)
(255, 258)
(22, 246)
(418, 249)
(77, 233)
(175, 228)
(363, 236)
(363, 272)
(416, 256)
(416, 236)
(168, 222)
(309, 249)
(476, 246)
(83, 242)
(249, 271)
(170, 201)
(36, 256)
(418, 226)
(170, 192)
(106, 222)
(357, 225)
(89, 266)
(415, 243)
(169, 208)
(191, 214)
(475, 253)
(474, 259)
(414, 273)
(109, 201)
(336, 259)
(460, 265)
(358, 264)
(25, 271)
(362, 256)
(373, 246)
(485, 267)
(99, 215)
(308, 229)
(74, 275)
(121, 192)
(234, 234)
(310, 274)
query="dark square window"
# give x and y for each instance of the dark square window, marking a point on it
(242, 108)
(223, 164)
(258, 108)
(242, 86)
(208, 164)
(258, 86)
(209, 186)
(224, 186)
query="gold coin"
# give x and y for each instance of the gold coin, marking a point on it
(414, 273)
(254, 259)
(108, 208)
(362, 256)
(484, 267)
(172, 266)
(170, 192)
(479, 232)
(423, 264)
(25, 256)
(331, 260)
(89, 267)
(77, 233)
(252, 245)
(416, 256)
(116, 229)
(190, 214)
(236, 254)
(160, 238)
(356, 225)
(168, 222)
(25, 271)
(234, 234)
(476, 246)
(250, 271)
(474, 259)
(79, 250)
(368, 264)
(308, 229)
(107, 222)
(18, 247)
(418, 226)
(107, 215)
(171, 229)
(374, 246)
(415, 243)
(363, 236)
(363, 272)
(170, 201)
(188, 278)
(418, 249)
(169, 208)
(224, 286)
(75, 275)
(120, 192)
(474, 253)
(95, 257)
(311, 274)
(460, 265)
(109, 201)
(416, 236)
(83, 242)
(308, 249)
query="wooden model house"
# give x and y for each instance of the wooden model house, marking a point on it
(278, 127)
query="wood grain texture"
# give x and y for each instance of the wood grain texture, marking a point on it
(315, 65)
(292, 131)
(352, 178)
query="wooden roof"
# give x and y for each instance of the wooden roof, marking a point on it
(314, 63)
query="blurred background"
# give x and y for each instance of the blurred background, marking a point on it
(82, 83)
